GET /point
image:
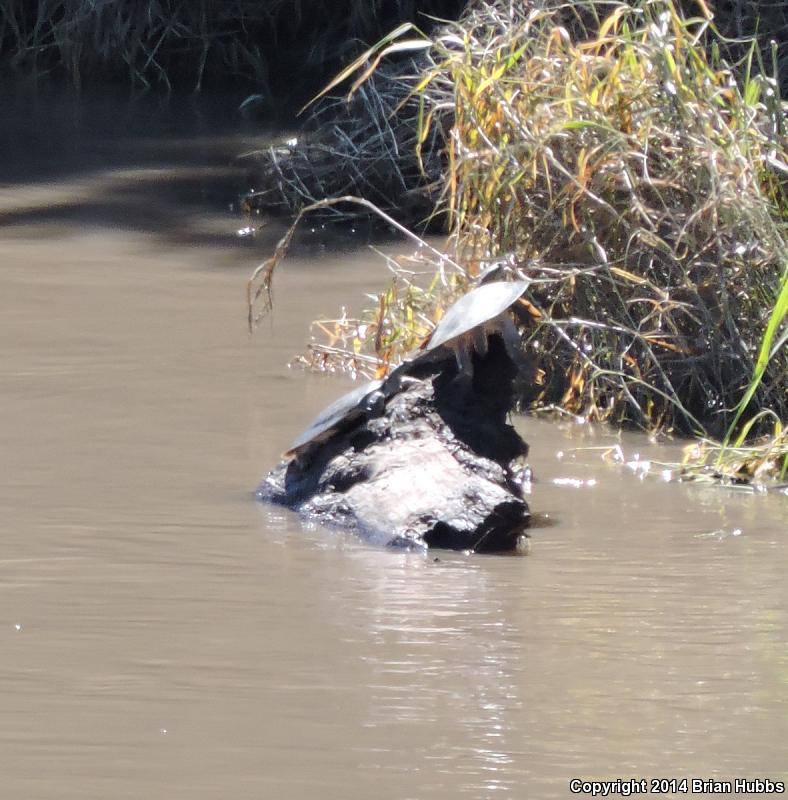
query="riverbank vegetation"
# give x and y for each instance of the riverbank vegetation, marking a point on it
(272, 48)
(367, 144)
(607, 152)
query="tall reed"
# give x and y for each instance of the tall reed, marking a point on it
(623, 169)
(267, 44)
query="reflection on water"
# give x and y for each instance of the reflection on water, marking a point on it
(164, 636)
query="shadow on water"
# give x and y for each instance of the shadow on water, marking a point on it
(59, 134)
(150, 200)
(149, 166)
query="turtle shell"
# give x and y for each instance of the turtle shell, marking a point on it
(333, 415)
(475, 308)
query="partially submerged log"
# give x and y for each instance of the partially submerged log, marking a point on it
(433, 465)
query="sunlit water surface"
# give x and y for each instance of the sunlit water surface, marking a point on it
(164, 636)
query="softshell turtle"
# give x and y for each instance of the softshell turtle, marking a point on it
(465, 326)
(463, 329)
(346, 409)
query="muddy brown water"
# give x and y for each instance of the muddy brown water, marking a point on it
(164, 636)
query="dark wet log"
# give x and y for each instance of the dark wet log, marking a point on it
(436, 465)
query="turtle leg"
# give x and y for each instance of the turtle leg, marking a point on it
(463, 355)
(511, 341)
(480, 335)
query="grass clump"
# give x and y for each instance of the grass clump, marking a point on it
(611, 160)
(363, 145)
(261, 44)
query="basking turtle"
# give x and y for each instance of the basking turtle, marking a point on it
(463, 329)
(348, 408)
(465, 326)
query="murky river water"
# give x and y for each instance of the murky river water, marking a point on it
(163, 636)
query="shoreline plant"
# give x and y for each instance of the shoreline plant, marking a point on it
(607, 153)
(170, 44)
(365, 144)
(640, 189)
